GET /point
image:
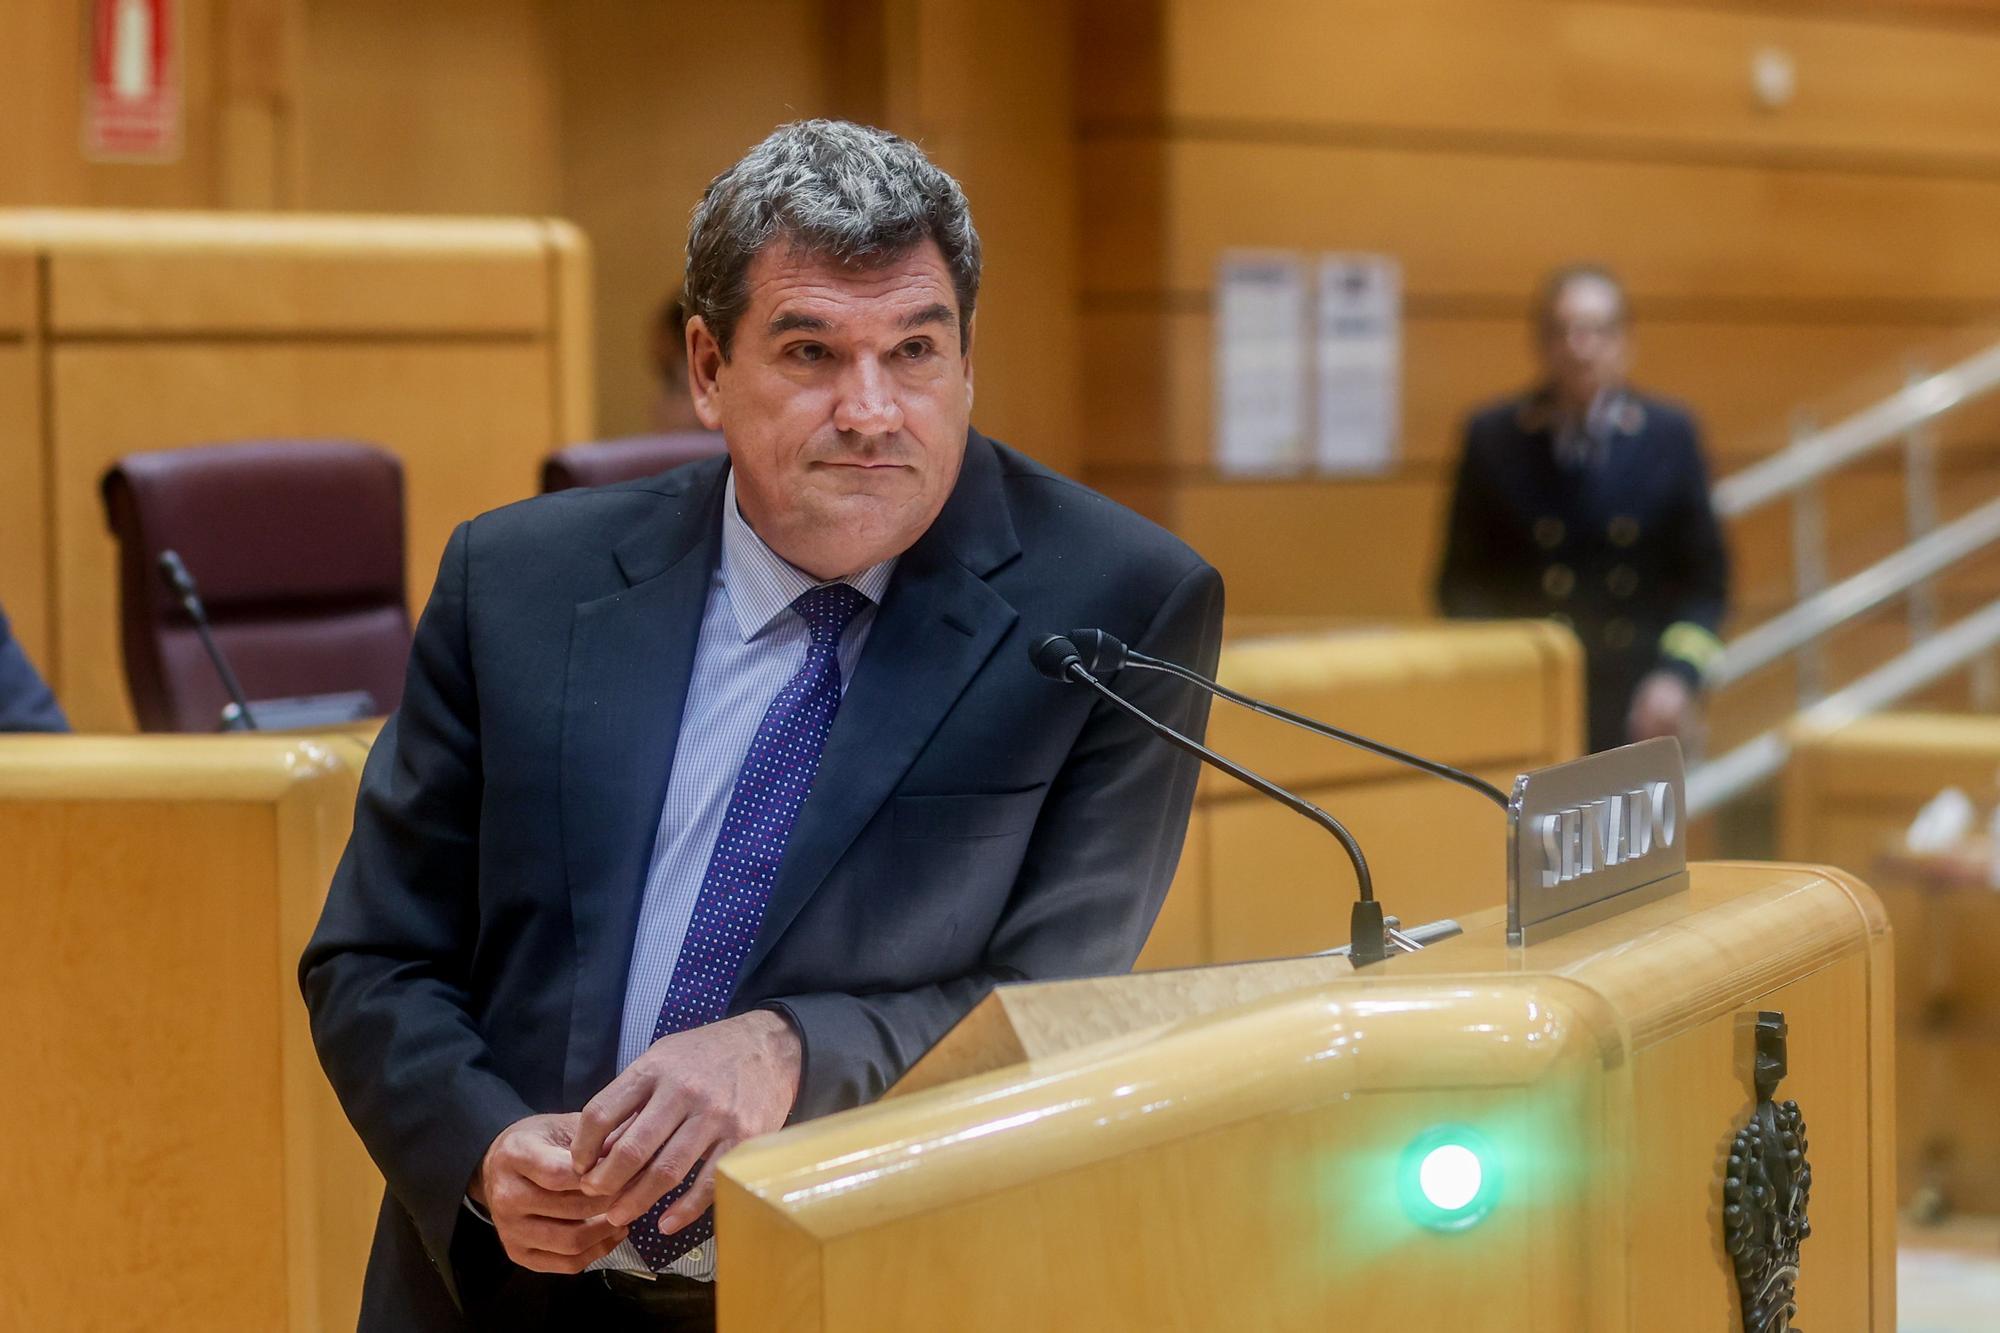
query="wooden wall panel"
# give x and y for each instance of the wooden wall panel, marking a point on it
(1595, 75)
(1362, 549)
(471, 422)
(988, 94)
(41, 102)
(1729, 372)
(465, 90)
(1472, 226)
(206, 275)
(654, 100)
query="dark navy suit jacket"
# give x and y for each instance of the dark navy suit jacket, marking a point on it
(972, 823)
(25, 702)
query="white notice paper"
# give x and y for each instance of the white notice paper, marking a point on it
(1360, 360)
(1261, 365)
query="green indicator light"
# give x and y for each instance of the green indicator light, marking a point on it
(1449, 1178)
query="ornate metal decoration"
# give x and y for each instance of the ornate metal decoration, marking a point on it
(1765, 1188)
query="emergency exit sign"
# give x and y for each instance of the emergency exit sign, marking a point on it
(132, 99)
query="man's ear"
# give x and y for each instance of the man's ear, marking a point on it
(705, 361)
(965, 344)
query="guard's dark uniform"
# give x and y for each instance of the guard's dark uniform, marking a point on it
(1613, 534)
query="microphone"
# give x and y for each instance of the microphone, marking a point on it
(181, 583)
(1101, 653)
(1058, 659)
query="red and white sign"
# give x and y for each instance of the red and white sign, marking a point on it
(132, 105)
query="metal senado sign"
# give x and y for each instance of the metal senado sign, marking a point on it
(1612, 830)
(1593, 837)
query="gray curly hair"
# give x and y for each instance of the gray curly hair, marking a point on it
(840, 191)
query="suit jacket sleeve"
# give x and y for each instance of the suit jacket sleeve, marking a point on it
(1097, 868)
(385, 975)
(25, 702)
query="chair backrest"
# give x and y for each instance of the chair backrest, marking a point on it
(602, 462)
(297, 547)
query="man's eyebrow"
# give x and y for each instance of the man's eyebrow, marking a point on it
(931, 314)
(792, 321)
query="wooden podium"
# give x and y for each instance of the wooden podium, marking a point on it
(1189, 1158)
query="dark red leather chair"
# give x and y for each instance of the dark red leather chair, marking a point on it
(297, 547)
(606, 461)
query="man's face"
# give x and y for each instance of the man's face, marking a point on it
(1583, 344)
(844, 402)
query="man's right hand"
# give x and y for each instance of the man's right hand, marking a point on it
(536, 1200)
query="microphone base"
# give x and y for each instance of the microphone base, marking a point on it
(1369, 934)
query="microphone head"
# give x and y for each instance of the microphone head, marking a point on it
(176, 573)
(1053, 656)
(1102, 655)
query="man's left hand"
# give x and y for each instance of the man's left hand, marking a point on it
(690, 1098)
(1660, 706)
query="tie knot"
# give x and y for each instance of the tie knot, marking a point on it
(827, 609)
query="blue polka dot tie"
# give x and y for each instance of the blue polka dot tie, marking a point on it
(770, 788)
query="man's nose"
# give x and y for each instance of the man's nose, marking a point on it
(868, 404)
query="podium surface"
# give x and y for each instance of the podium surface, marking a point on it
(1267, 1165)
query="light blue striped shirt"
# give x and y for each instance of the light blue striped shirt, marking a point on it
(751, 643)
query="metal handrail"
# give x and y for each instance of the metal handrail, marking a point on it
(1792, 630)
(1814, 455)
(1757, 760)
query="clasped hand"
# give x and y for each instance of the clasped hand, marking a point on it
(562, 1190)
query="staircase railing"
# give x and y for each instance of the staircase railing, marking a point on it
(1796, 473)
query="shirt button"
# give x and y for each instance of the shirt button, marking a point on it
(1624, 530)
(1548, 532)
(1558, 581)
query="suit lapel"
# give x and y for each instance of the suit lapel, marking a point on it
(630, 658)
(938, 624)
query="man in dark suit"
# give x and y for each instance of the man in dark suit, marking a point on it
(716, 798)
(1588, 502)
(25, 702)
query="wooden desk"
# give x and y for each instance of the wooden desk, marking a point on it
(182, 1166)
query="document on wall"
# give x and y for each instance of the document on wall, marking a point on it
(1262, 364)
(1359, 359)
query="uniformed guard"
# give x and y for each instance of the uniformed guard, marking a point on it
(1588, 502)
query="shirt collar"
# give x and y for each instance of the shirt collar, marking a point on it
(762, 584)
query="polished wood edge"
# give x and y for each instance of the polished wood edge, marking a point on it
(1667, 968)
(1901, 733)
(860, 1168)
(1460, 1013)
(167, 768)
(1270, 664)
(84, 231)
